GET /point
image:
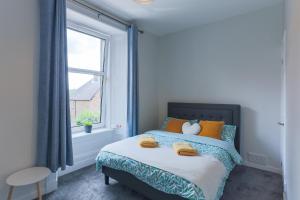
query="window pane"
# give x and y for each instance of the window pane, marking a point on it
(85, 98)
(85, 51)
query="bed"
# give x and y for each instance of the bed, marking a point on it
(159, 174)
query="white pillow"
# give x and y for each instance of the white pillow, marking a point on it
(188, 128)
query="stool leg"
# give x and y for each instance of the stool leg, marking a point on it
(39, 190)
(10, 193)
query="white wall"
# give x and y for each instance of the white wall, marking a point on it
(235, 61)
(293, 99)
(118, 84)
(19, 38)
(148, 65)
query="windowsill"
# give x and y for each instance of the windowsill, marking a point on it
(94, 132)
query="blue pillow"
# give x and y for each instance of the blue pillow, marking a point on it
(228, 133)
(164, 125)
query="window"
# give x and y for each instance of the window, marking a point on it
(86, 65)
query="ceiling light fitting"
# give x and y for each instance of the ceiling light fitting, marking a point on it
(144, 2)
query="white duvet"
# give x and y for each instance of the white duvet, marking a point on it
(204, 171)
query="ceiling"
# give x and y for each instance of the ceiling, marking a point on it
(169, 16)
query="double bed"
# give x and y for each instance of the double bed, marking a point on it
(159, 173)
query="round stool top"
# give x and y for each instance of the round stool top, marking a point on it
(28, 176)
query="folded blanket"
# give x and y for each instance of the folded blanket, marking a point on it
(147, 142)
(184, 149)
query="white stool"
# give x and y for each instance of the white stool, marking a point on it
(33, 175)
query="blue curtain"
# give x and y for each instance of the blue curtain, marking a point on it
(133, 95)
(54, 130)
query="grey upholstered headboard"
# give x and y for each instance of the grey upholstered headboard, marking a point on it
(228, 113)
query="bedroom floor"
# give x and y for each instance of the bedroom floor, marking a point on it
(244, 183)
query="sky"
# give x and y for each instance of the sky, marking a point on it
(84, 52)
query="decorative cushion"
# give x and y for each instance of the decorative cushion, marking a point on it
(228, 133)
(211, 129)
(167, 119)
(175, 125)
(188, 128)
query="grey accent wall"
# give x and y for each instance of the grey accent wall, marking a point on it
(235, 61)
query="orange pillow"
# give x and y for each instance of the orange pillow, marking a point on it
(175, 125)
(211, 129)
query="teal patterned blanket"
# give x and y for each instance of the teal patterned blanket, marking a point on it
(166, 181)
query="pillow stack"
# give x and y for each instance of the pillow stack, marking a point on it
(213, 129)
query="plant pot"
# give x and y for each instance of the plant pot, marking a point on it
(88, 129)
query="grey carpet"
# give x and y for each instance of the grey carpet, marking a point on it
(244, 183)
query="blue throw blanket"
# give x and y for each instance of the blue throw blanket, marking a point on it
(166, 181)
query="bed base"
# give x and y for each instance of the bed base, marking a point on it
(137, 185)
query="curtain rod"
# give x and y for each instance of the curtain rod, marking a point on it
(106, 14)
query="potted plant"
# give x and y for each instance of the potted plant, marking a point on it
(88, 126)
(87, 119)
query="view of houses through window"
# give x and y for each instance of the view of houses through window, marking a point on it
(86, 77)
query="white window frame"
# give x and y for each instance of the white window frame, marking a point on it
(92, 32)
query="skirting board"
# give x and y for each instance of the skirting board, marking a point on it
(263, 167)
